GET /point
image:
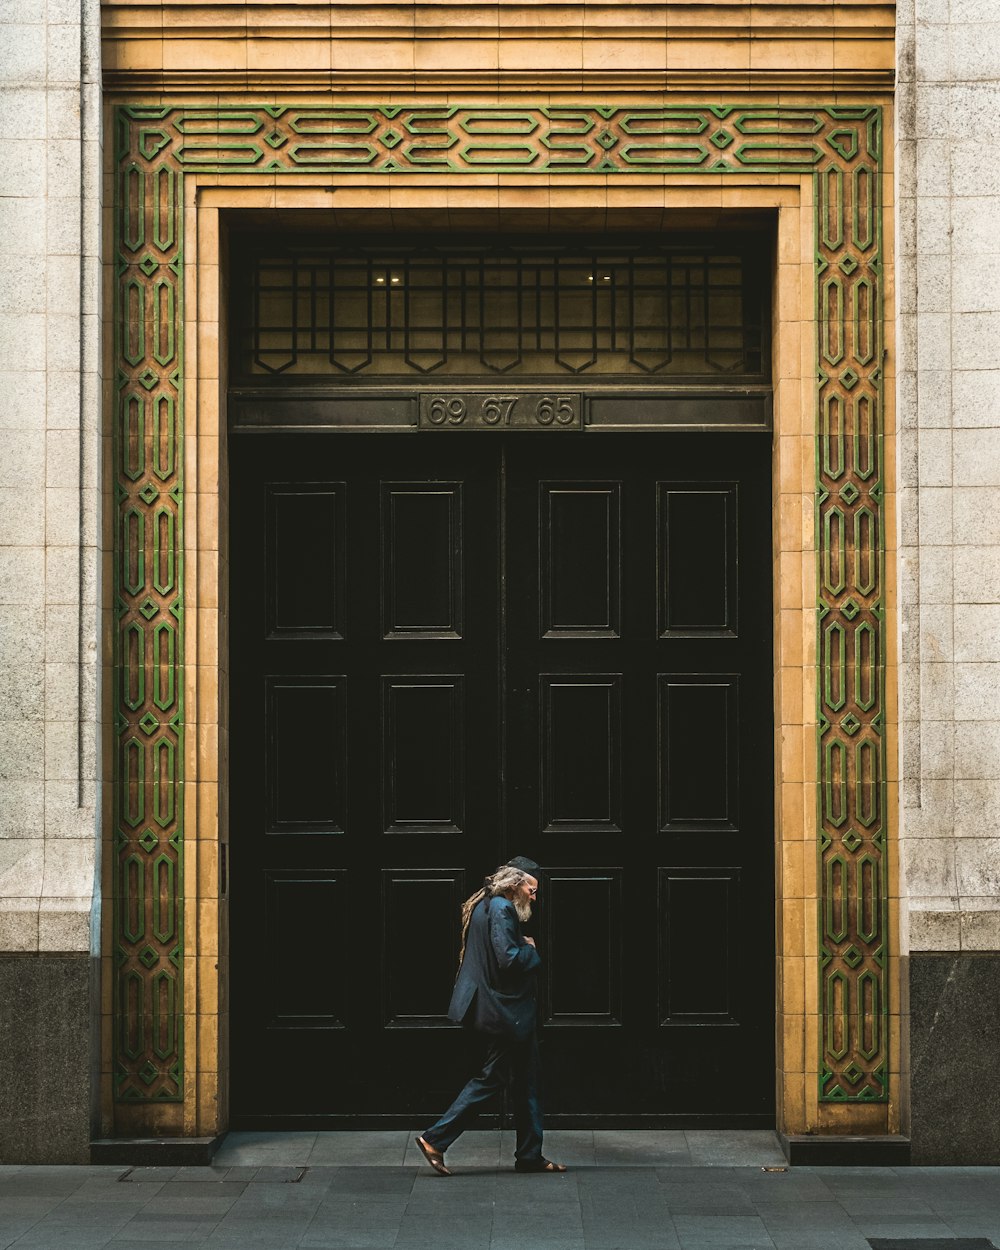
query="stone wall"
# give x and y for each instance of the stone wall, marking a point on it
(948, 415)
(49, 565)
(948, 266)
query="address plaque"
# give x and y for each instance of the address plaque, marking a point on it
(491, 410)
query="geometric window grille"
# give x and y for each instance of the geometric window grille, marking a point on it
(608, 309)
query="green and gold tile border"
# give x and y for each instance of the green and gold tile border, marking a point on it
(155, 147)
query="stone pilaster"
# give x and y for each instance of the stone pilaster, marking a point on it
(49, 564)
(948, 264)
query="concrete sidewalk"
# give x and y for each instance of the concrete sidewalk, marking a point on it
(580, 1148)
(626, 1191)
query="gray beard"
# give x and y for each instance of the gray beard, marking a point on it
(523, 909)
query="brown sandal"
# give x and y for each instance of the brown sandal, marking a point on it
(538, 1165)
(434, 1157)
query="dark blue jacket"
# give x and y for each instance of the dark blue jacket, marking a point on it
(495, 989)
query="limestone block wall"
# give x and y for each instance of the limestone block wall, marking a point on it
(948, 304)
(50, 439)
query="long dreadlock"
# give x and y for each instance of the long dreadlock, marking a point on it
(503, 880)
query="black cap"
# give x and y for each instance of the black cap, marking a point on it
(526, 865)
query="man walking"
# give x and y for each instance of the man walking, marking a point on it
(495, 995)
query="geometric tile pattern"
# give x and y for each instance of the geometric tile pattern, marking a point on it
(149, 625)
(155, 146)
(850, 544)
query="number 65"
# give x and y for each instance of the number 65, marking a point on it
(559, 410)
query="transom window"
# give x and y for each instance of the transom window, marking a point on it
(370, 309)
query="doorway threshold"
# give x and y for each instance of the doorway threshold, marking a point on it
(494, 1149)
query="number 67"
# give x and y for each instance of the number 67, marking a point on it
(498, 408)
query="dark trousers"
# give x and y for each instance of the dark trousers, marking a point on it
(506, 1060)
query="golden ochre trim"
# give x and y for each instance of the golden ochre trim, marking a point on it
(156, 147)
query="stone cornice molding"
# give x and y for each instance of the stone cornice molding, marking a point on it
(410, 25)
(510, 46)
(438, 85)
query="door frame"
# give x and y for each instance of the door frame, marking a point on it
(186, 1093)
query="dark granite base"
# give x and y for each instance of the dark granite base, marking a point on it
(46, 1056)
(834, 1151)
(954, 1030)
(164, 1152)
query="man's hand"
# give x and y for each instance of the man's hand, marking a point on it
(530, 941)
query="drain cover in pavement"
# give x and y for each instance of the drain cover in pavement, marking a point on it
(930, 1243)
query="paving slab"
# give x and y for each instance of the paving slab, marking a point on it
(629, 1191)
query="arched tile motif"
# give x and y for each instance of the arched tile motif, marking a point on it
(156, 147)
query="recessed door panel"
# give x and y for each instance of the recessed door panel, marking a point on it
(699, 744)
(580, 532)
(699, 966)
(581, 753)
(423, 750)
(697, 559)
(304, 560)
(420, 911)
(422, 559)
(582, 941)
(305, 914)
(305, 751)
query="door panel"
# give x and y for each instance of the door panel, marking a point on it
(698, 991)
(304, 911)
(580, 752)
(305, 760)
(423, 754)
(583, 912)
(580, 592)
(307, 556)
(654, 757)
(423, 558)
(424, 902)
(698, 580)
(445, 651)
(359, 813)
(699, 752)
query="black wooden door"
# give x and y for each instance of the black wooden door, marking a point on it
(448, 648)
(640, 766)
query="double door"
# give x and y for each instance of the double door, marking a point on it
(449, 648)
